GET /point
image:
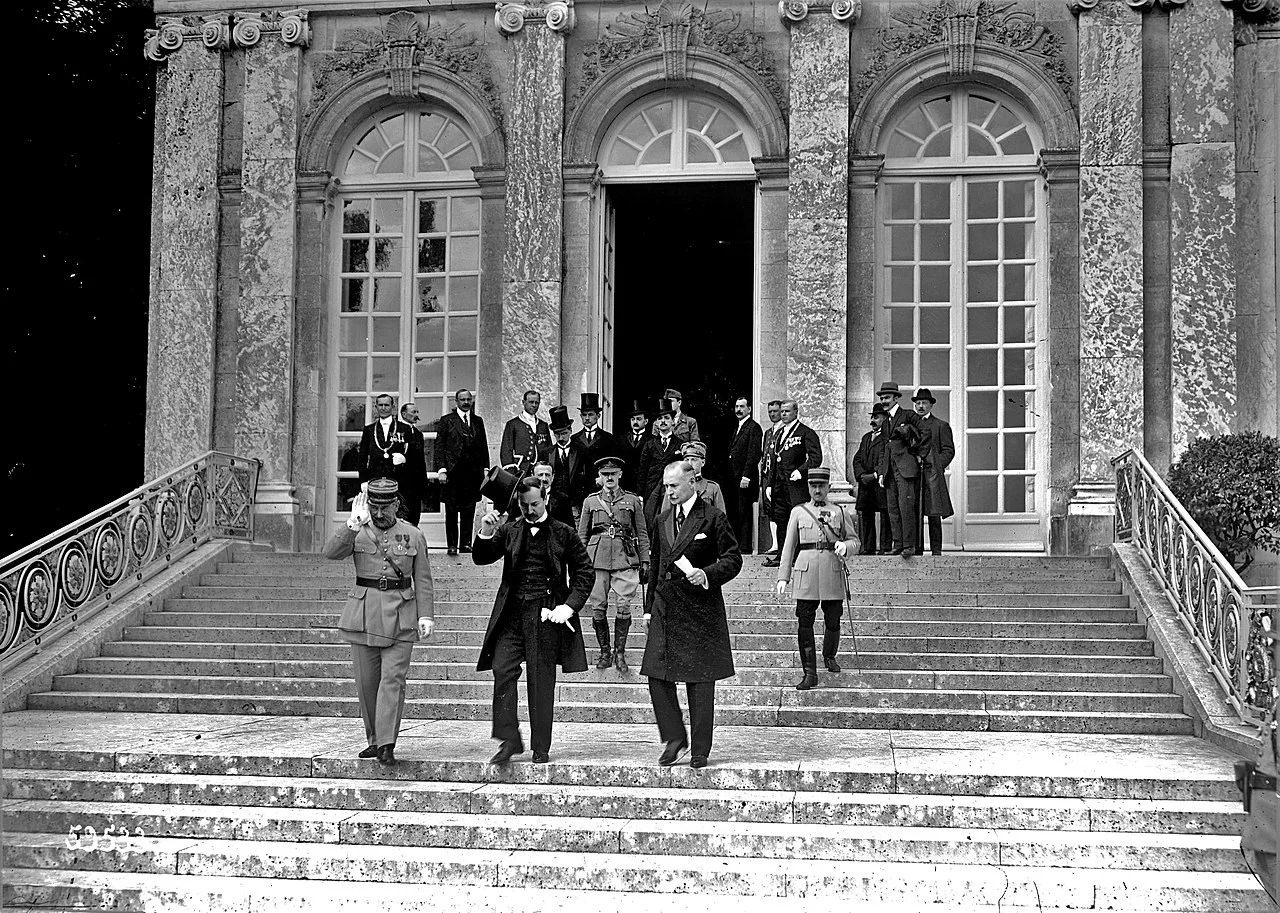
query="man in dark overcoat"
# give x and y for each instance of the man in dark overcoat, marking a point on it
(661, 448)
(692, 556)
(546, 579)
(462, 455)
(900, 469)
(872, 501)
(568, 467)
(937, 448)
(743, 484)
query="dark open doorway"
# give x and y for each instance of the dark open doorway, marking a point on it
(684, 301)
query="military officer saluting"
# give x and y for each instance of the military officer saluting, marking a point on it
(612, 524)
(819, 536)
(389, 607)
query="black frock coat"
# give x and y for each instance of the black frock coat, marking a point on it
(937, 448)
(688, 638)
(572, 587)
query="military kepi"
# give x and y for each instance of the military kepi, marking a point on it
(383, 491)
(820, 474)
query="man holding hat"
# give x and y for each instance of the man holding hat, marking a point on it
(661, 448)
(685, 426)
(389, 607)
(568, 467)
(612, 525)
(629, 446)
(937, 448)
(872, 501)
(899, 470)
(595, 441)
(819, 537)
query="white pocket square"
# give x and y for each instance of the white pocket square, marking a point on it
(700, 536)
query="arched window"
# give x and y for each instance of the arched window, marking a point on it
(408, 273)
(671, 132)
(961, 294)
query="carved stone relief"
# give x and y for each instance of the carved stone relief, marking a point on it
(290, 25)
(510, 18)
(172, 31)
(1266, 12)
(961, 25)
(398, 49)
(675, 27)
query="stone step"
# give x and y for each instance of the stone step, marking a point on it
(463, 658)
(971, 561)
(437, 672)
(185, 616)
(590, 834)
(1104, 815)
(906, 889)
(877, 718)
(634, 692)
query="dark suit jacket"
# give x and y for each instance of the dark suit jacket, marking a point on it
(518, 441)
(866, 465)
(572, 585)
(744, 458)
(569, 482)
(688, 638)
(463, 451)
(801, 450)
(411, 474)
(937, 449)
(603, 444)
(630, 452)
(904, 434)
(653, 459)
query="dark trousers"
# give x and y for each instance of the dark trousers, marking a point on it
(523, 637)
(903, 509)
(739, 503)
(458, 512)
(935, 533)
(702, 710)
(867, 527)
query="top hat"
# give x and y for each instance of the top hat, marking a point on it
(383, 491)
(560, 418)
(693, 448)
(889, 386)
(638, 408)
(664, 406)
(498, 486)
(590, 402)
(924, 393)
(879, 409)
(610, 462)
(819, 474)
(673, 393)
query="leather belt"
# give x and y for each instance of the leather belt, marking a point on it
(817, 546)
(385, 583)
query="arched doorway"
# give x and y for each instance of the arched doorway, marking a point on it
(961, 298)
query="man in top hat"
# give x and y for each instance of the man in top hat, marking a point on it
(796, 448)
(389, 449)
(631, 444)
(612, 525)
(546, 579)
(526, 438)
(937, 448)
(595, 441)
(819, 536)
(568, 465)
(899, 469)
(660, 449)
(462, 455)
(768, 454)
(685, 426)
(745, 449)
(872, 501)
(390, 606)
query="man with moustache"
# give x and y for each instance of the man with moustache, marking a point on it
(899, 470)
(569, 479)
(796, 448)
(696, 454)
(659, 450)
(461, 456)
(682, 426)
(745, 450)
(937, 448)
(546, 579)
(390, 606)
(692, 556)
(872, 501)
(594, 440)
(631, 444)
(767, 456)
(526, 438)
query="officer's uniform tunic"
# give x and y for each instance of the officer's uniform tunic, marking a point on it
(618, 543)
(816, 572)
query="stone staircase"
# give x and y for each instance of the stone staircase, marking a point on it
(1002, 738)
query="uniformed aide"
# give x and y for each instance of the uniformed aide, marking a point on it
(819, 536)
(390, 606)
(612, 524)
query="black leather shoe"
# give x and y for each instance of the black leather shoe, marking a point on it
(465, 549)
(541, 757)
(507, 750)
(452, 551)
(697, 762)
(896, 551)
(770, 561)
(387, 755)
(831, 664)
(672, 753)
(908, 553)
(370, 752)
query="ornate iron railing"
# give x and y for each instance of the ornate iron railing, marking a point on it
(1225, 617)
(70, 575)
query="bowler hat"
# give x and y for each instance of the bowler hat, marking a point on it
(879, 409)
(560, 418)
(820, 474)
(889, 386)
(638, 408)
(383, 491)
(665, 407)
(924, 393)
(498, 486)
(693, 448)
(590, 402)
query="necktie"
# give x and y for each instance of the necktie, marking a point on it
(466, 419)
(679, 518)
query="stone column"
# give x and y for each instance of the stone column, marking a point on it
(493, 208)
(818, 219)
(1202, 220)
(184, 241)
(272, 42)
(580, 356)
(860, 343)
(532, 274)
(1111, 298)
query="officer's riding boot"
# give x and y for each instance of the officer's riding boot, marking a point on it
(605, 659)
(621, 628)
(830, 646)
(808, 659)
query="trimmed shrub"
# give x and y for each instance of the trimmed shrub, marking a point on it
(1230, 484)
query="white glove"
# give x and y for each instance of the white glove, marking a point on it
(425, 627)
(397, 459)
(443, 475)
(842, 549)
(768, 492)
(559, 615)
(780, 587)
(795, 475)
(745, 483)
(359, 512)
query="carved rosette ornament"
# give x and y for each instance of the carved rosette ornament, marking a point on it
(172, 32)
(793, 11)
(290, 26)
(510, 18)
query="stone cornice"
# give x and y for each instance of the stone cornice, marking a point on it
(172, 32)
(290, 26)
(511, 18)
(1060, 166)
(772, 173)
(794, 11)
(864, 171)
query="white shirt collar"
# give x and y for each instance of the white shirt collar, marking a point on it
(786, 432)
(541, 521)
(387, 422)
(688, 505)
(530, 420)
(742, 421)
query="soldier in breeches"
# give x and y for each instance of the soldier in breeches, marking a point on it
(819, 536)
(612, 524)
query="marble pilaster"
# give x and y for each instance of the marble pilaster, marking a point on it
(532, 264)
(184, 251)
(493, 205)
(580, 359)
(818, 229)
(860, 379)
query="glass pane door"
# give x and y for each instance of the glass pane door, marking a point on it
(608, 260)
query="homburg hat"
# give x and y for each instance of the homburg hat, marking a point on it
(924, 393)
(560, 418)
(889, 386)
(590, 402)
(879, 409)
(383, 491)
(498, 486)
